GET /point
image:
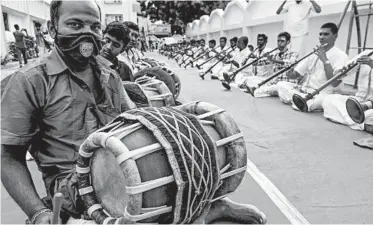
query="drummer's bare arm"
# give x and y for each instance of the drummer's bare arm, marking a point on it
(17, 180)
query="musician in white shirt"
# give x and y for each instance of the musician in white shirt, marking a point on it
(203, 49)
(208, 55)
(228, 58)
(262, 68)
(221, 51)
(335, 105)
(238, 59)
(315, 70)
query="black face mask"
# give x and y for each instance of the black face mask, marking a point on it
(79, 48)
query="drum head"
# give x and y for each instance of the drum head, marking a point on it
(109, 182)
(355, 110)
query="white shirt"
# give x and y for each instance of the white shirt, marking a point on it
(297, 18)
(242, 55)
(313, 69)
(264, 67)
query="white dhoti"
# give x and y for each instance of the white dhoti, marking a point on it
(266, 91)
(335, 110)
(298, 44)
(227, 68)
(216, 69)
(286, 90)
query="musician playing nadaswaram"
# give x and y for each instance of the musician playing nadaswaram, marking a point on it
(238, 60)
(227, 60)
(116, 38)
(204, 48)
(281, 59)
(262, 68)
(191, 53)
(335, 105)
(54, 106)
(221, 51)
(210, 54)
(315, 70)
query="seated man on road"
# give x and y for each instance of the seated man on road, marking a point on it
(281, 59)
(54, 106)
(190, 53)
(203, 49)
(261, 69)
(116, 38)
(221, 52)
(228, 58)
(210, 54)
(238, 60)
(315, 70)
(335, 105)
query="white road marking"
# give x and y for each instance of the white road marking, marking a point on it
(282, 203)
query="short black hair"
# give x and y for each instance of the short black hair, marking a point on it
(53, 10)
(265, 37)
(245, 40)
(119, 31)
(235, 39)
(333, 27)
(286, 35)
(212, 41)
(202, 40)
(131, 25)
(223, 38)
(16, 26)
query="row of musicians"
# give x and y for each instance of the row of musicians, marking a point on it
(307, 75)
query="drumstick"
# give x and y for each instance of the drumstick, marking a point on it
(57, 203)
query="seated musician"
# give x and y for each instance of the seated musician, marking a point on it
(221, 51)
(315, 70)
(203, 49)
(53, 106)
(237, 60)
(335, 105)
(228, 58)
(116, 38)
(128, 56)
(261, 69)
(281, 59)
(209, 54)
(190, 53)
(264, 67)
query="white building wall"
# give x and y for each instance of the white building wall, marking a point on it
(260, 16)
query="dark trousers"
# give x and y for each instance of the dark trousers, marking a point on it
(23, 52)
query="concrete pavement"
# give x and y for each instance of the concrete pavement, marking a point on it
(309, 159)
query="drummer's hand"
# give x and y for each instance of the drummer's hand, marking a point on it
(321, 52)
(45, 218)
(365, 60)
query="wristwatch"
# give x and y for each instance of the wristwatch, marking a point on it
(327, 62)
